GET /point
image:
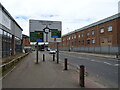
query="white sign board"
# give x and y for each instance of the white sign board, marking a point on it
(47, 31)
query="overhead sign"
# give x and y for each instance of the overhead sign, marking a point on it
(48, 30)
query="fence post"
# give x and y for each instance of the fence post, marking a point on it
(65, 64)
(53, 57)
(82, 70)
(43, 57)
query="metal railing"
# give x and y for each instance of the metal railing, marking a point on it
(12, 63)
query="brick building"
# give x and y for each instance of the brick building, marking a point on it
(99, 37)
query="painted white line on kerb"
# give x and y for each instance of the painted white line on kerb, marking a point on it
(107, 63)
(116, 64)
(93, 60)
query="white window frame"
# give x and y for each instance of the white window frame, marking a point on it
(79, 35)
(109, 28)
(93, 32)
(93, 40)
(88, 33)
(102, 30)
(82, 34)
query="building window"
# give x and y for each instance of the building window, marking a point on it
(88, 33)
(82, 41)
(79, 36)
(74, 36)
(69, 38)
(82, 34)
(93, 40)
(110, 28)
(78, 42)
(102, 30)
(93, 32)
(88, 41)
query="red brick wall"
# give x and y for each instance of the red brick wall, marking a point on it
(77, 42)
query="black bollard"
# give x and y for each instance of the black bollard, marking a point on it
(117, 55)
(53, 57)
(82, 70)
(43, 57)
(65, 64)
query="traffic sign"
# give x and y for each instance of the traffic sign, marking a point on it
(45, 31)
(36, 36)
(55, 33)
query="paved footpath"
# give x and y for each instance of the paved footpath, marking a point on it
(46, 74)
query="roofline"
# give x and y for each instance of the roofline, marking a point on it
(2, 7)
(94, 24)
(43, 20)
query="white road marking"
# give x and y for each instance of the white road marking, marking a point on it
(93, 60)
(116, 64)
(107, 63)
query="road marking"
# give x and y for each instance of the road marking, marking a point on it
(107, 63)
(93, 60)
(116, 64)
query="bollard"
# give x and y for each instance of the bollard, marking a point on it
(82, 70)
(53, 57)
(43, 57)
(65, 64)
(117, 55)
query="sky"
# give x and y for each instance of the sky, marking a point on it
(74, 14)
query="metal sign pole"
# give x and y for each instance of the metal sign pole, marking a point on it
(37, 53)
(57, 53)
(46, 36)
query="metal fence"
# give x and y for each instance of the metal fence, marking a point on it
(96, 49)
(11, 63)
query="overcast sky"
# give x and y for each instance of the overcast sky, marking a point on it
(74, 14)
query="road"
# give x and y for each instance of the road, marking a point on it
(102, 70)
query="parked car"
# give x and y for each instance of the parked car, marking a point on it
(52, 52)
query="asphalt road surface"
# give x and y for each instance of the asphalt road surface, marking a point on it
(102, 70)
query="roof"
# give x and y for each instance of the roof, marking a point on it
(94, 24)
(25, 36)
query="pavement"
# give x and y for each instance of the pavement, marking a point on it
(111, 56)
(46, 74)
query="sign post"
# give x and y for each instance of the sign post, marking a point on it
(57, 53)
(37, 53)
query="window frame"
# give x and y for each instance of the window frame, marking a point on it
(110, 28)
(102, 30)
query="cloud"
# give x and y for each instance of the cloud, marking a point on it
(74, 14)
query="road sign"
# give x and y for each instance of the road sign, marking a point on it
(49, 29)
(36, 36)
(55, 33)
